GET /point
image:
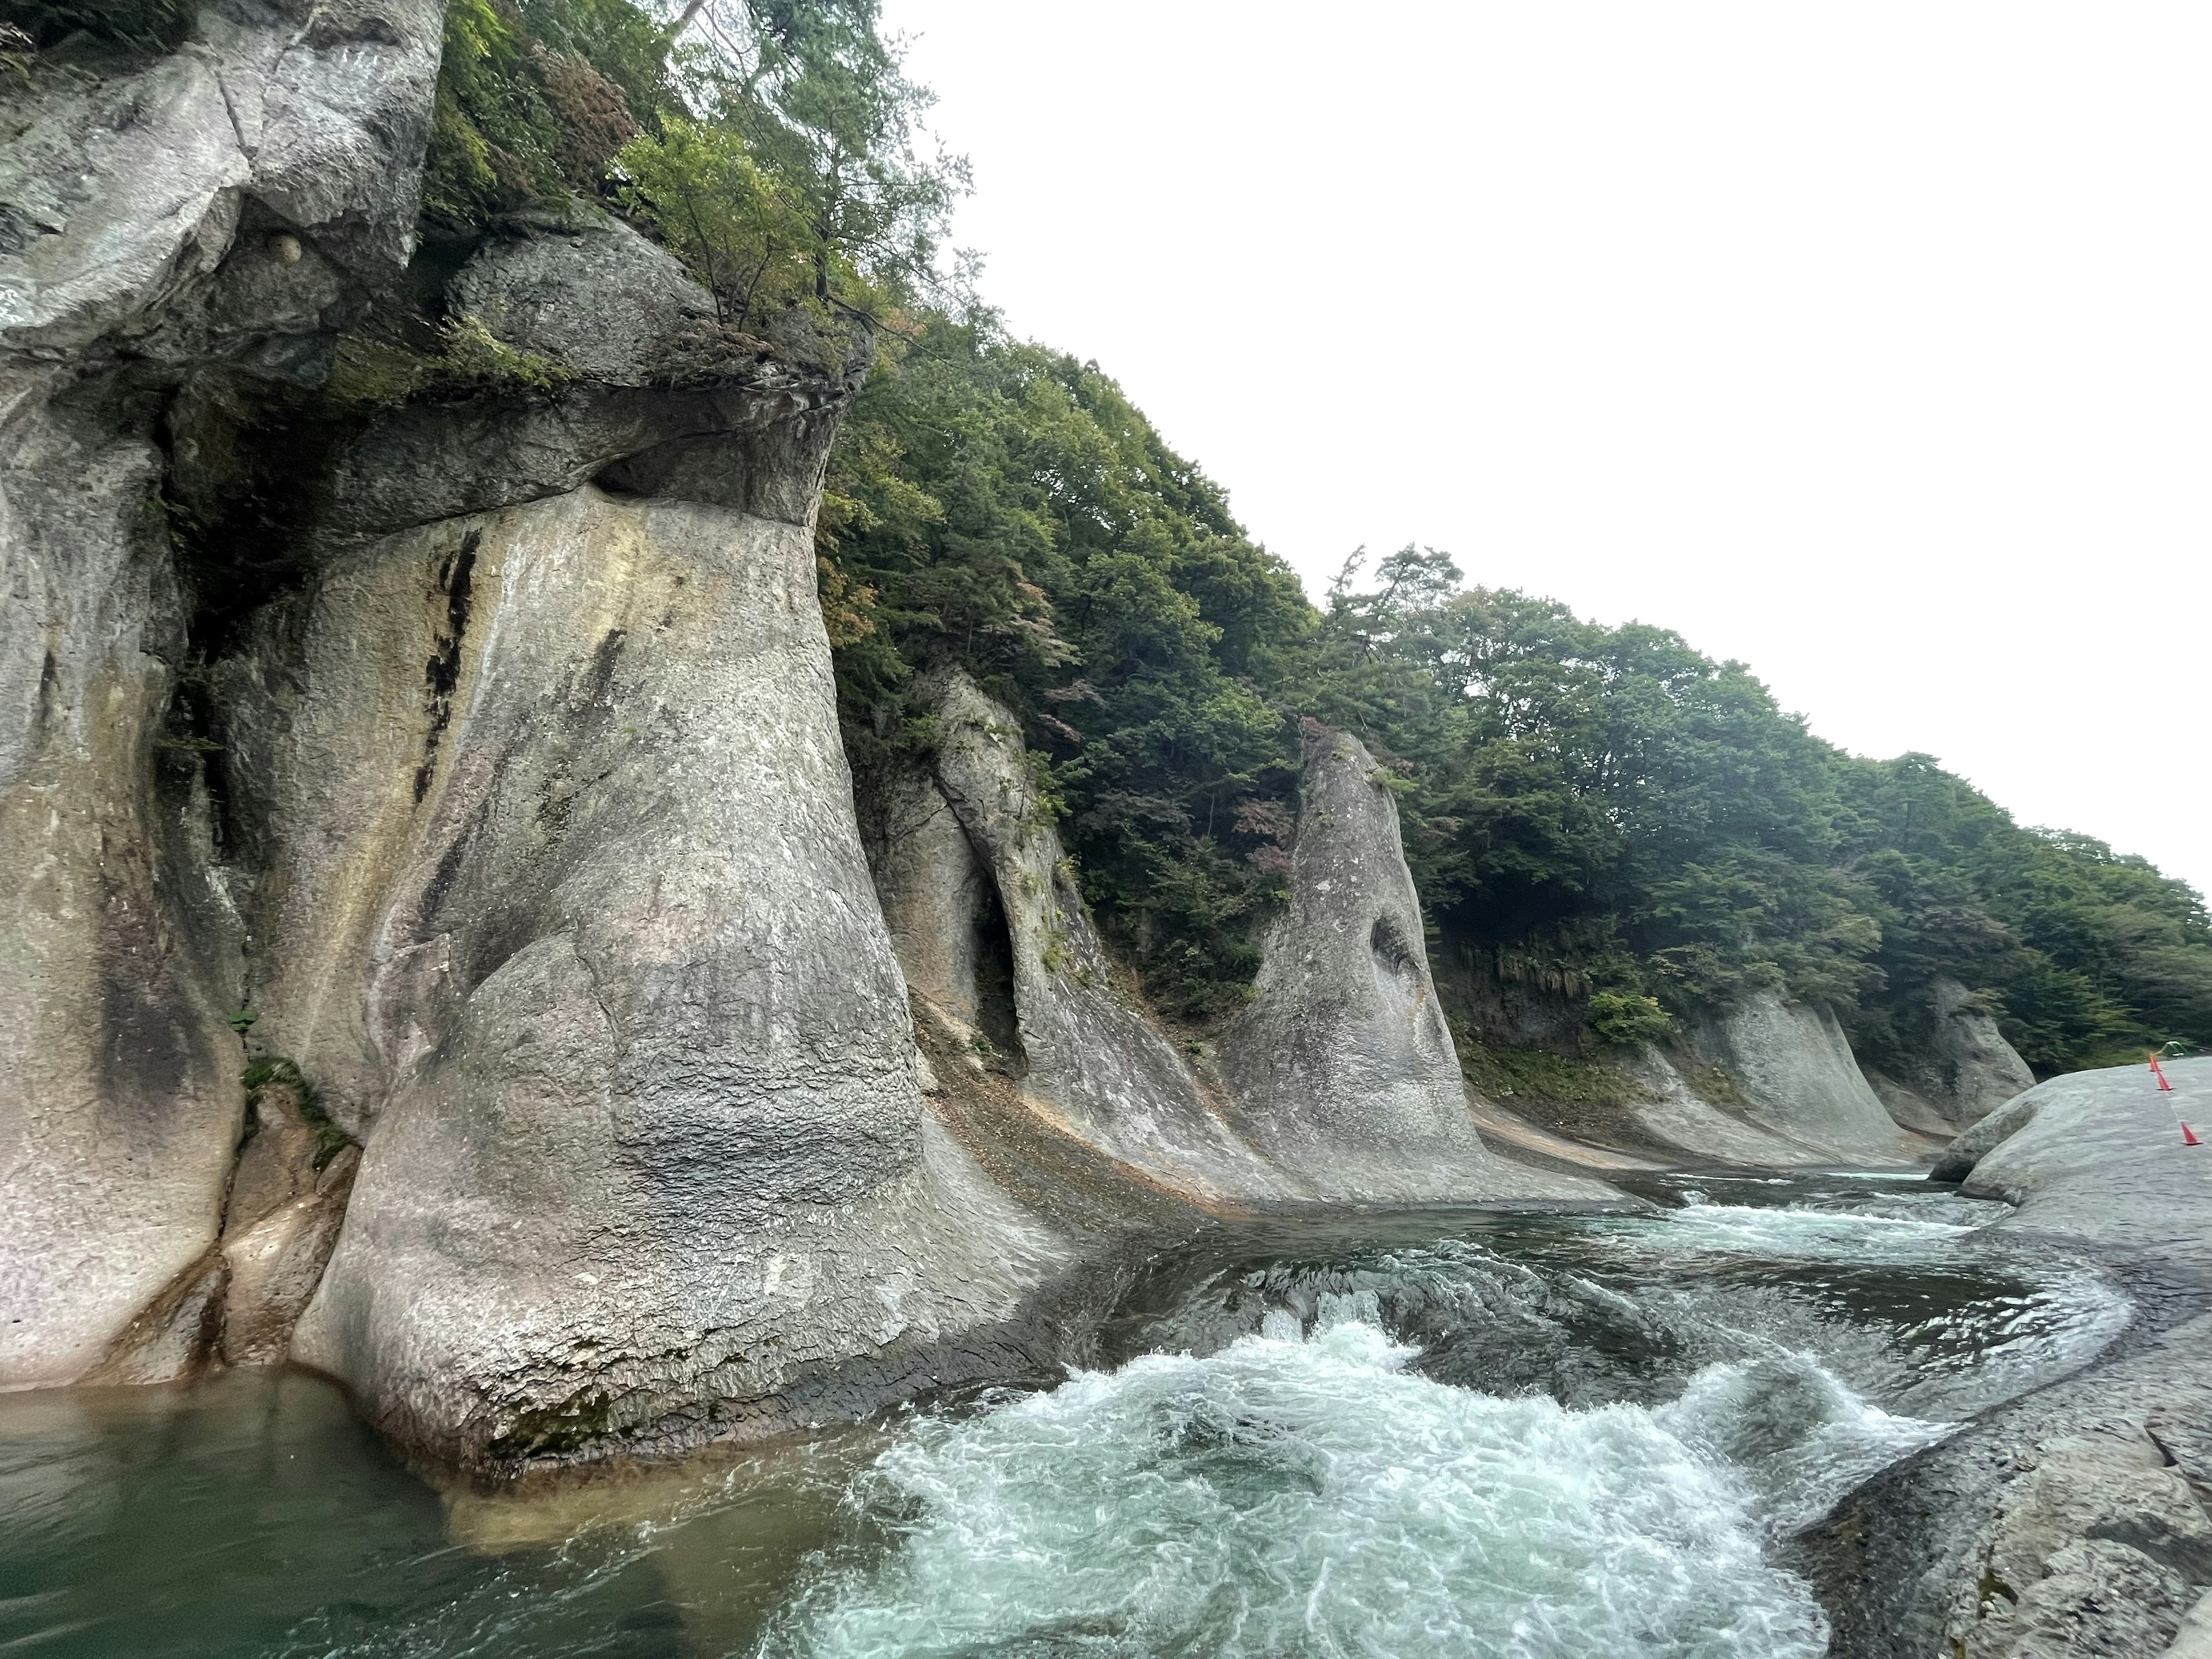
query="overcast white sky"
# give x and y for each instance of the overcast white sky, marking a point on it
(1869, 342)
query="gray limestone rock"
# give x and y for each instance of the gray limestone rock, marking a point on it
(569, 917)
(138, 201)
(1674, 1114)
(1342, 1070)
(1800, 1079)
(588, 292)
(1089, 1058)
(1959, 1068)
(2100, 1156)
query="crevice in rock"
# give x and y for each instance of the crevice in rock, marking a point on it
(442, 673)
(997, 1015)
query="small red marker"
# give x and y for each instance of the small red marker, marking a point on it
(2164, 1086)
(2189, 1136)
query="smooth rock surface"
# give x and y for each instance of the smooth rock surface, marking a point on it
(2100, 1156)
(578, 921)
(1676, 1115)
(1959, 1068)
(1800, 1079)
(1342, 1069)
(2077, 1521)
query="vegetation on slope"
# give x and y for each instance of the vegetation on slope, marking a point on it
(1643, 824)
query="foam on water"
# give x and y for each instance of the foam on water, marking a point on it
(1289, 1496)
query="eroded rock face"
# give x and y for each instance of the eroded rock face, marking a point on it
(1342, 1070)
(1799, 1079)
(572, 919)
(1088, 1056)
(1959, 1067)
(215, 208)
(2100, 1156)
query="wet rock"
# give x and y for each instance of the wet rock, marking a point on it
(150, 205)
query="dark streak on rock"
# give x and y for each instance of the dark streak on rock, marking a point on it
(443, 672)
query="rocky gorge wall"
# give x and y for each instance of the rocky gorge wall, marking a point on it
(453, 950)
(448, 955)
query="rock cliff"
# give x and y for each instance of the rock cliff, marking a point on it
(197, 219)
(1956, 1067)
(1799, 1079)
(1343, 1070)
(461, 732)
(1338, 1083)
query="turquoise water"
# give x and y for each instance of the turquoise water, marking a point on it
(1402, 1436)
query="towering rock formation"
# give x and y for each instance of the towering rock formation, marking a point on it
(1338, 1083)
(503, 807)
(1800, 1080)
(1342, 1069)
(444, 952)
(166, 222)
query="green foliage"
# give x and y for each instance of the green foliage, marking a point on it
(771, 145)
(1535, 1075)
(521, 117)
(1623, 1017)
(820, 101)
(1567, 775)
(735, 223)
(468, 360)
(1005, 506)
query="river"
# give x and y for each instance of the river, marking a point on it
(1447, 1433)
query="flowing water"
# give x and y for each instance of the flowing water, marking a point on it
(1432, 1434)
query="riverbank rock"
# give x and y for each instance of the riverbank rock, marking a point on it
(2076, 1522)
(575, 924)
(1798, 1078)
(2100, 1156)
(1955, 1068)
(1342, 1069)
(212, 210)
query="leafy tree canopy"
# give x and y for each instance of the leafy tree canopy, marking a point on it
(1608, 801)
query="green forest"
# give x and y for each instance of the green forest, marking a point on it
(1606, 801)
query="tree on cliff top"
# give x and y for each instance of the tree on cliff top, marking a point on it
(771, 144)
